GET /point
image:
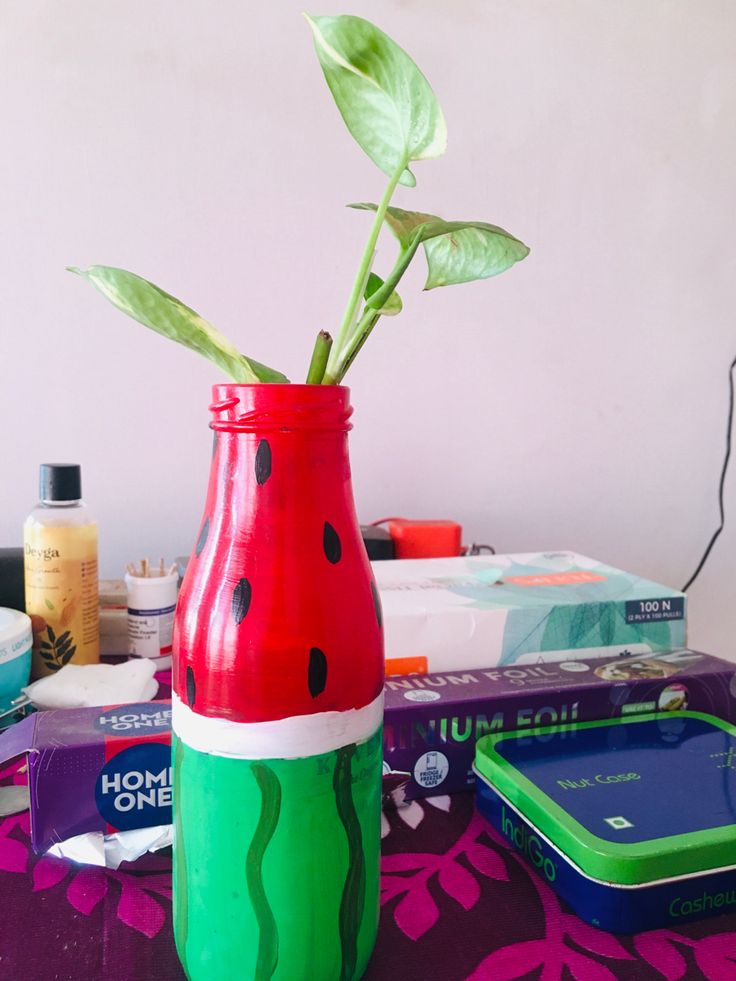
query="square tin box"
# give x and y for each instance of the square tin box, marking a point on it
(432, 722)
(632, 821)
(94, 769)
(478, 612)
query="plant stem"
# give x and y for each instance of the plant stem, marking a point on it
(370, 316)
(365, 325)
(363, 271)
(318, 364)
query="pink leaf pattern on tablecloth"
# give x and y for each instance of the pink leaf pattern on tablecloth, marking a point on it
(582, 968)
(87, 889)
(657, 948)
(13, 855)
(594, 940)
(48, 872)
(716, 956)
(416, 913)
(406, 861)
(486, 861)
(458, 883)
(454, 879)
(510, 962)
(138, 910)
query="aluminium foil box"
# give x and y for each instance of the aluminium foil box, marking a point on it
(432, 722)
(479, 612)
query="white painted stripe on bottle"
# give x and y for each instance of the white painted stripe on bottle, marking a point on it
(284, 739)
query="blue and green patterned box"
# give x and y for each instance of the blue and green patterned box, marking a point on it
(446, 614)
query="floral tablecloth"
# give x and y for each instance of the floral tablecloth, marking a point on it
(457, 903)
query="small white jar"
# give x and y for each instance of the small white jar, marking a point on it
(151, 606)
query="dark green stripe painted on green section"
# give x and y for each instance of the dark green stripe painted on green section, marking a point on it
(353, 894)
(268, 940)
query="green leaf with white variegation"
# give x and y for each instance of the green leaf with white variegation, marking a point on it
(386, 102)
(456, 251)
(154, 308)
(390, 306)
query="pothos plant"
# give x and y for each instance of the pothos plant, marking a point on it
(391, 111)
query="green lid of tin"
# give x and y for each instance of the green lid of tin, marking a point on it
(628, 800)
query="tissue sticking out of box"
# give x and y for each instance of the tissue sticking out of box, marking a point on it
(88, 685)
(110, 851)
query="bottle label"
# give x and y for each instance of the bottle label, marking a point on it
(62, 597)
(150, 632)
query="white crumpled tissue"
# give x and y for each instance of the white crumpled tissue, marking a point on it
(109, 851)
(87, 685)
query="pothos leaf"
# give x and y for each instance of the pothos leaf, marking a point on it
(386, 102)
(391, 306)
(154, 308)
(456, 251)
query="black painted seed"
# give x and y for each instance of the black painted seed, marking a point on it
(317, 674)
(331, 544)
(214, 444)
(241, 600)
(377, 603)
(201, 541)
(263, 461)
(191, 686)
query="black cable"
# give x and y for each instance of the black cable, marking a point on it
(722, 483)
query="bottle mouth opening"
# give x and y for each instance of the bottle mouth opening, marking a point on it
(280, 408)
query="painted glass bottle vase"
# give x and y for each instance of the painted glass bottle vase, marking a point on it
(277, 706)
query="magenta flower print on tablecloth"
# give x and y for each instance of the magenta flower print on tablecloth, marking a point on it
(407, 875)
(138, 905)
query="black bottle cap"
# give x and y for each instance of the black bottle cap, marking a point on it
(60, 482)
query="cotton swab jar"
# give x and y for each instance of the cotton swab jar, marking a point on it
(151, 604)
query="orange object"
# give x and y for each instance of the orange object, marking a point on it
(425, 539)
(406, 665)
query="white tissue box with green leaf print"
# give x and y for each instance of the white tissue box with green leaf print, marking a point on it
(448, 614)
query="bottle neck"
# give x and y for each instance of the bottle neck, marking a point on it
(62, 504)
(265, 410)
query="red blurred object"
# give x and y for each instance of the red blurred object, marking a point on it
(278, 614)
(425, 539)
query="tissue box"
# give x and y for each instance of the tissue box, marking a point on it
(432, 722)
(94, 769)
(445, 614)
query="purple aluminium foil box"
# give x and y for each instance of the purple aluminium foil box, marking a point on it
(432, 721)
(94, 769)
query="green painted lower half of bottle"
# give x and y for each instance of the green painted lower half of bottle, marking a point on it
(276, 864)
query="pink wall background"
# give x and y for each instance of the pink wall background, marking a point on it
(578, 401)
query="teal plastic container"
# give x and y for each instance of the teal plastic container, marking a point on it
(631, 820)
(16, 641)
